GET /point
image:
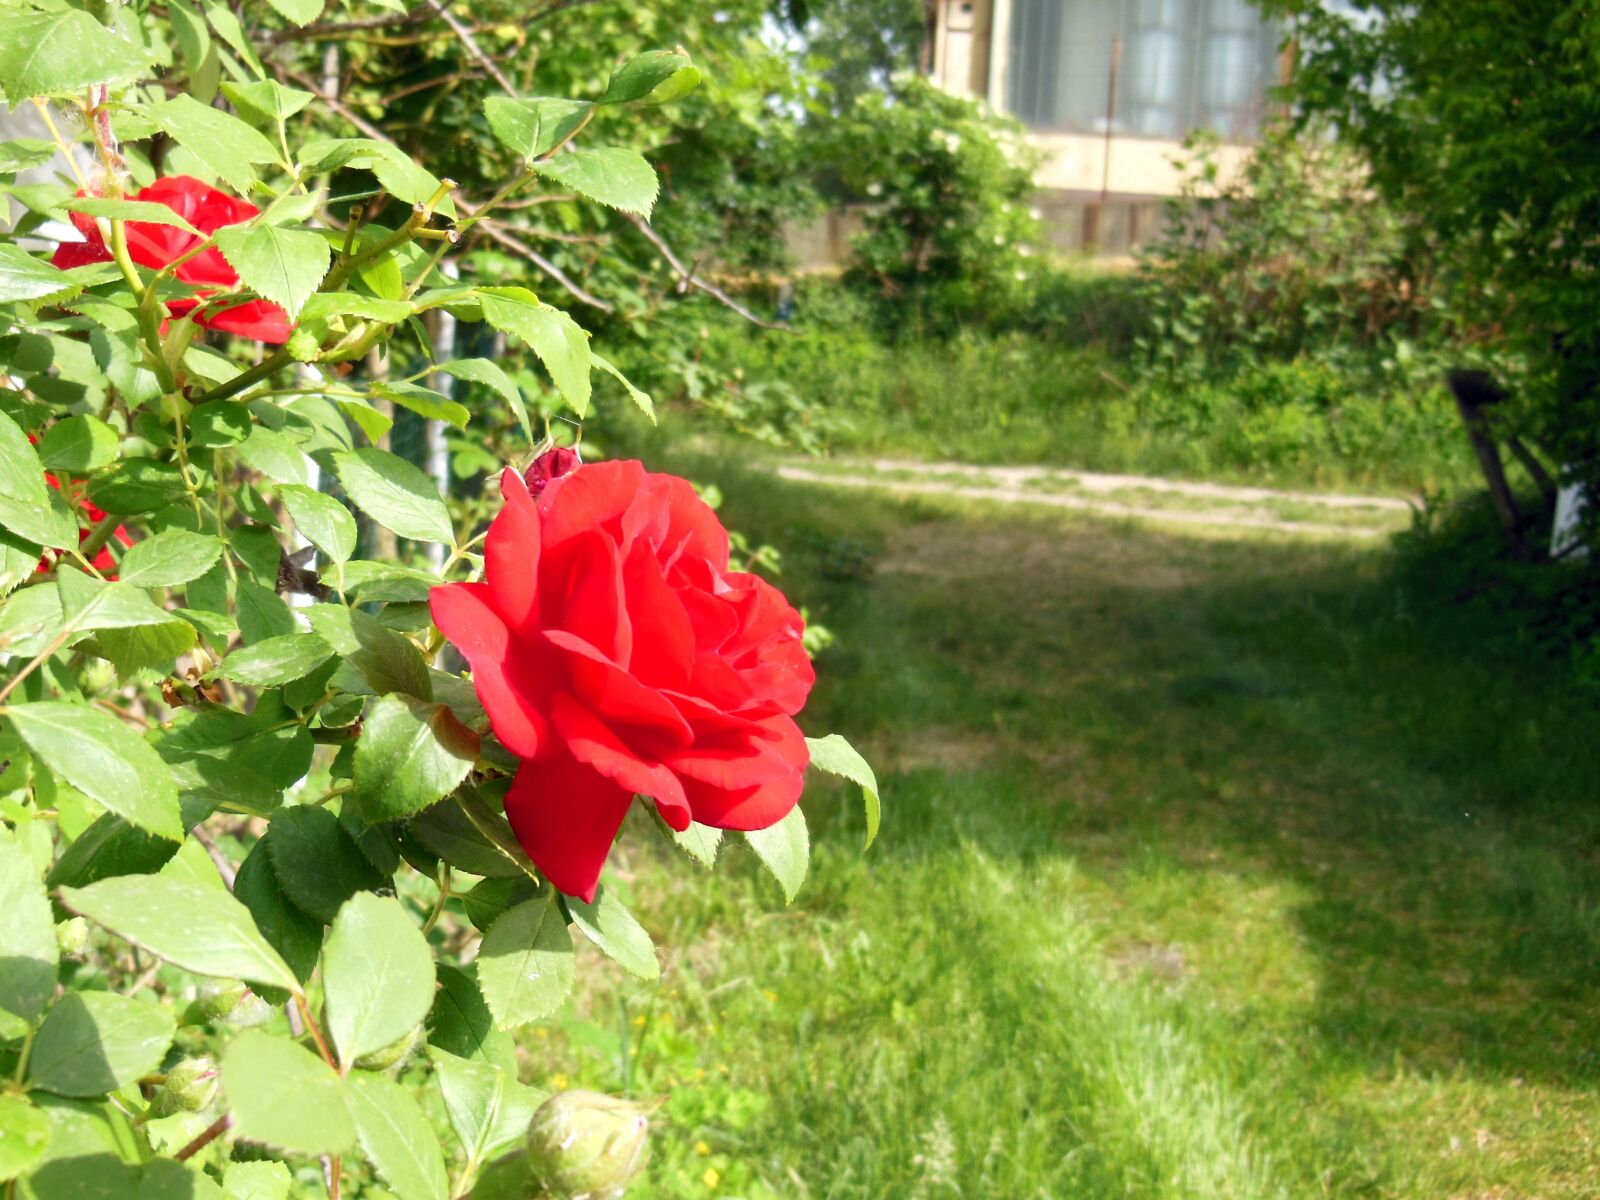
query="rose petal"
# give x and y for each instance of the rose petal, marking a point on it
(465, 614)
(591, 741)
(749, 808)
(511, 553)
(613, 693)
(759, 753)
(566, 816)
(663, 637)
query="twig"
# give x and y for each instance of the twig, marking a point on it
(494, 230)
(336, 29)
(224, 867)
(692, 280)
(471, 43)
(206, 1136)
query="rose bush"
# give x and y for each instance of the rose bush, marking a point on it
(157, 246)
(616, 653)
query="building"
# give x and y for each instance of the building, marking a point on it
(1108, 90)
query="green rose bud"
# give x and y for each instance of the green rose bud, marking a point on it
(217, 998)
(385, 1057)
(586, 1144)
(72, 936)
(190, 1086)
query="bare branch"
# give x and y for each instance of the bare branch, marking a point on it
(493, 229)
(472, 47)
(690, 279)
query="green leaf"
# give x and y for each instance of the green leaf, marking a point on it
(257, 1181)
(267, 100)
(395, 494)
(467, 832)
(425, 402)
(136, 485)
(92, 1043)
(534, 126)
(377, 975)
(88, 603)
(24, 154)
(641, 399)
(282, 265)
(610, 175)
(460, 1021)
(294, 935)
(28, 953)
(555, 337)
(655, 77)
(146, 648)
(352, 304)
(231, 31)
(66, 51)
(608, 924)
(838, 757)
(171, 557)
(196, 926)
(785, 848)
(78, 444)
(275, 661)
(24, 1136)
(24, 277)
(131, 210)
(103, 1176)
(397, 1138)
(283, 1095)
(481, 370)
(321, 519)
(29, 508)
(488, 1108)
(275, 456)
(699, 842)
(221, 141)
(110, 846)
(410, 755)
(318, 864)
(301, 12)
(525, 964)
(384, 660)
(103, 759)
(219, 423)
(262, 613)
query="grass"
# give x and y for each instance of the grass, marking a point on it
(1211, 867)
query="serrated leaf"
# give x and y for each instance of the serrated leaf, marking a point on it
(79, 444)
(838, 757)
(317, 863)
(525, 966)
(224, 143)
(92, 1043)
(425, 402)
(562, 346)
(267, 99)
(641, 399)
(257, 1180)
(28, 506)
(296, 937)
(66, 51)
(24, 1136)
(275, 661)
(488, 1108)
(397, 1138)
(608, 924)
(655, 77)
(169, 558)
(283, 265)
(610, 175)
(103, 759)
(136, 485)
(411, 754)
(481, 370)
(230, 31)
(321, 520)
(27, 937)
(535, 125)
(699, 842)
(352, 304)
(301, 12)
(199, 927)
(24, 154)
(460, 1021)
(377, 975)
(26, 278)
(785, 849)
(281, 1094)
(131, 210)
(395, 494)
(219, 423)
(385, 661)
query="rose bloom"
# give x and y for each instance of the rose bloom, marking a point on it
(615, 653)
(102, 561)
(154, 246)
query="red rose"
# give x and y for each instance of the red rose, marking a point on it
(616, 653)
(154, 246)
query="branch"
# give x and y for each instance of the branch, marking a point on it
(471, 43)
(692, 280)
(336, 29)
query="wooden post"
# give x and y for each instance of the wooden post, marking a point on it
(1474, 391)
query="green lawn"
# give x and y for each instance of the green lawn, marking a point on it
(1211, 867)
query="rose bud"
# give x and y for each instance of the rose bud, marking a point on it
(72, 936)
(385, 1057)
(552, 464)
(190, 1086)
(217, 999)
(586, 1144)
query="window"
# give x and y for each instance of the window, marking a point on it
(1186, 64)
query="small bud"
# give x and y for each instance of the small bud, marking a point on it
(190, 1086)
(385, 1057)
(251, 1010)
(586, 1144)
(552, 464)
(218, 998)
(72, 936)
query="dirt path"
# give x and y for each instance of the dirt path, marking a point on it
(1142, 497)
